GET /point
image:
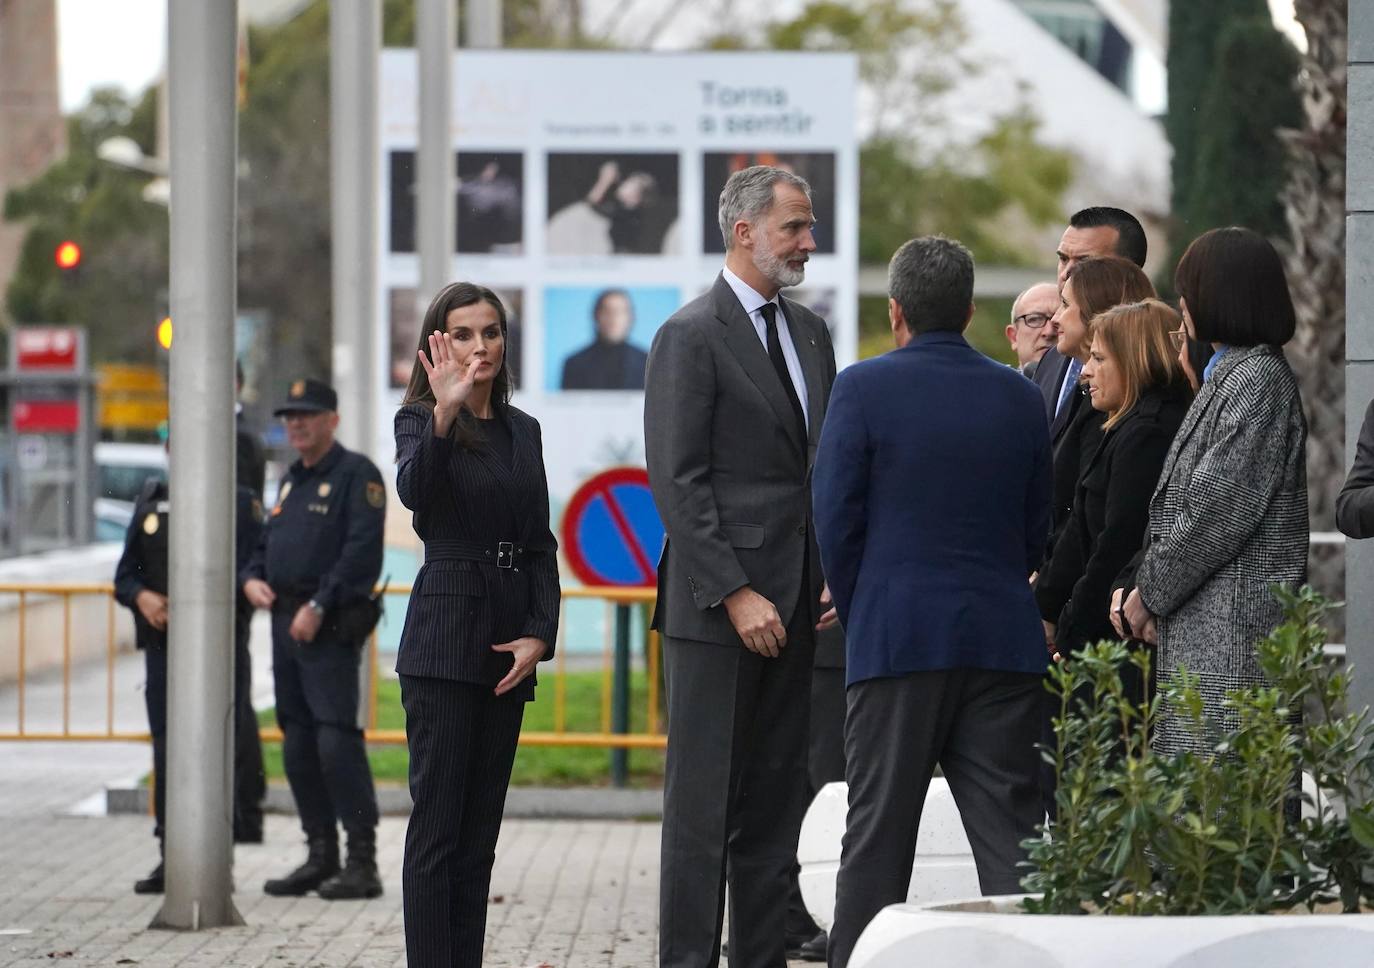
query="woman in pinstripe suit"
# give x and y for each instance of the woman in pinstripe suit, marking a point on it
(483, 611)
(1228, 517)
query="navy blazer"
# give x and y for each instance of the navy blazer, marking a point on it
(932, 504)
(458, 607)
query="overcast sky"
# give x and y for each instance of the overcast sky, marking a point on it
(104, 42)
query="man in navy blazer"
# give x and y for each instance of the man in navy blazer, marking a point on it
(931, 496)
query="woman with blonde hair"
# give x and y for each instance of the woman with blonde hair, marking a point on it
(1135, 381)
(1091, 288)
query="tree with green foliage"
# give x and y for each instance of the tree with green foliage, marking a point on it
(915, 177)
(1232, 88)
(115, 292)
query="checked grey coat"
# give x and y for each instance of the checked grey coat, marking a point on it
(1227, 519)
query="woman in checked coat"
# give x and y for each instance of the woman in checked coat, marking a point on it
(1229, 515)
(483, 611)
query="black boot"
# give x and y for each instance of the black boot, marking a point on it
(359, 877)
(319, 866)
(152, 884)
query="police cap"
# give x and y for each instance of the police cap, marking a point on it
(308, 396)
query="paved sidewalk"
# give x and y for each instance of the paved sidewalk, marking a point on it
(565, 893)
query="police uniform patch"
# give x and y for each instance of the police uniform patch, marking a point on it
(376, 494)
(297, 389)
(150, 524)
(324, 490)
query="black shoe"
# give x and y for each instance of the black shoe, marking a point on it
(815, 949)
(792, 944)
(319, 866)
(359, 878)
(152, 884)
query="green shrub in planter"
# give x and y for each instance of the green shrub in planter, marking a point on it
(1216, 832)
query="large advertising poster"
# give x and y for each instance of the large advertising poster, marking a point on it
(587, 186)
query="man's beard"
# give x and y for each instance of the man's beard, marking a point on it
(776, 270)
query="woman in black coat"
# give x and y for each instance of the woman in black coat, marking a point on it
(1135, 381)
(1091, 288)
(483, 611)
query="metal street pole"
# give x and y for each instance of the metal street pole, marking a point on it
(204, 150)
(355, 35)
(435, 21)
(482, 18)
(1359, 333)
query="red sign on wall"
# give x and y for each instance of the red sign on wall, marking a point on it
(46, 349)
(46, 417)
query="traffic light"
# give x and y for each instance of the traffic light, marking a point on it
(164, 333)
(68, 259)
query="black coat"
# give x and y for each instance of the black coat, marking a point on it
(144, 561)
(1074, 445)
(1110, 516)
(460, 607)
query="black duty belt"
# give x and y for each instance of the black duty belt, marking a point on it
(503, 554)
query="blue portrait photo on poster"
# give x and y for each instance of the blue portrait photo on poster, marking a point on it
(597, 337)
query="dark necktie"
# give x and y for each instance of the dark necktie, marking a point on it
(770, 322)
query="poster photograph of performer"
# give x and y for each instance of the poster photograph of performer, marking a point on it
(612, 204)
(598, 338)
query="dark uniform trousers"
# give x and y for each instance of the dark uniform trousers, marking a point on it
(249, 781)
(733, 818)
(462, 741)
(980, 726)
(322, 746)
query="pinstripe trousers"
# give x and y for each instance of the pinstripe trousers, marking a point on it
(462, 741)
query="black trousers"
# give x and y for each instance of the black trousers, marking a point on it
(250, 785)
(825, 764)
(250, 780)
(981, 727)
(322, 747)
(734, 795)
(462, 741)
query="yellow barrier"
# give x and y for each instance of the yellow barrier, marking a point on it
(33, 595)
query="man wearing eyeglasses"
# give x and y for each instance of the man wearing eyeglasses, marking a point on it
(1032, 330)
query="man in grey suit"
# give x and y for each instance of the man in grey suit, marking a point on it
(735, 392)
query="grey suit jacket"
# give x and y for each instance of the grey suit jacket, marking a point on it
(1227, 519)
(728, 469)
(1355, 503)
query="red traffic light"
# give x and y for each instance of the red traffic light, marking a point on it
(68, 255)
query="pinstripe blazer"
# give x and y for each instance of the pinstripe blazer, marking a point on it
(459, 608)
(1227, 519)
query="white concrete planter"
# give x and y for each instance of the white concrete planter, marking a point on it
(987, 933)
(943, 869)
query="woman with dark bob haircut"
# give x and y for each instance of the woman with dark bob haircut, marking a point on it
(483, 611)
(1229, 515)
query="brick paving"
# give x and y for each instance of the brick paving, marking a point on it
(566, 893)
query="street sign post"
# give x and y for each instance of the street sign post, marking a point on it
(611, 536)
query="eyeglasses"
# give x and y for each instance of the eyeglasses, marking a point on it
(1032, 320)
(1178, 337)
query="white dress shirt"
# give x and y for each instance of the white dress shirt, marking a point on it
(753, 303)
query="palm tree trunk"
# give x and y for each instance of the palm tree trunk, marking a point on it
(1314, 201)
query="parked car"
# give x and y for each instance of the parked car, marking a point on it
(121, 470)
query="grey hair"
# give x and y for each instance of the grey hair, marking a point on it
(748, 194)
(931, 279)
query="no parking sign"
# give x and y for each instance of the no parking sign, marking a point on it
(612, 533)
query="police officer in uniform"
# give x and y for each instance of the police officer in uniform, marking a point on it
(314, 568)
(141, 585)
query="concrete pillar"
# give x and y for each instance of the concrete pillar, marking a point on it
(1359, 334)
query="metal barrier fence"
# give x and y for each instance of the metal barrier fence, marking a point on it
(614, 726)
(614, 731)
